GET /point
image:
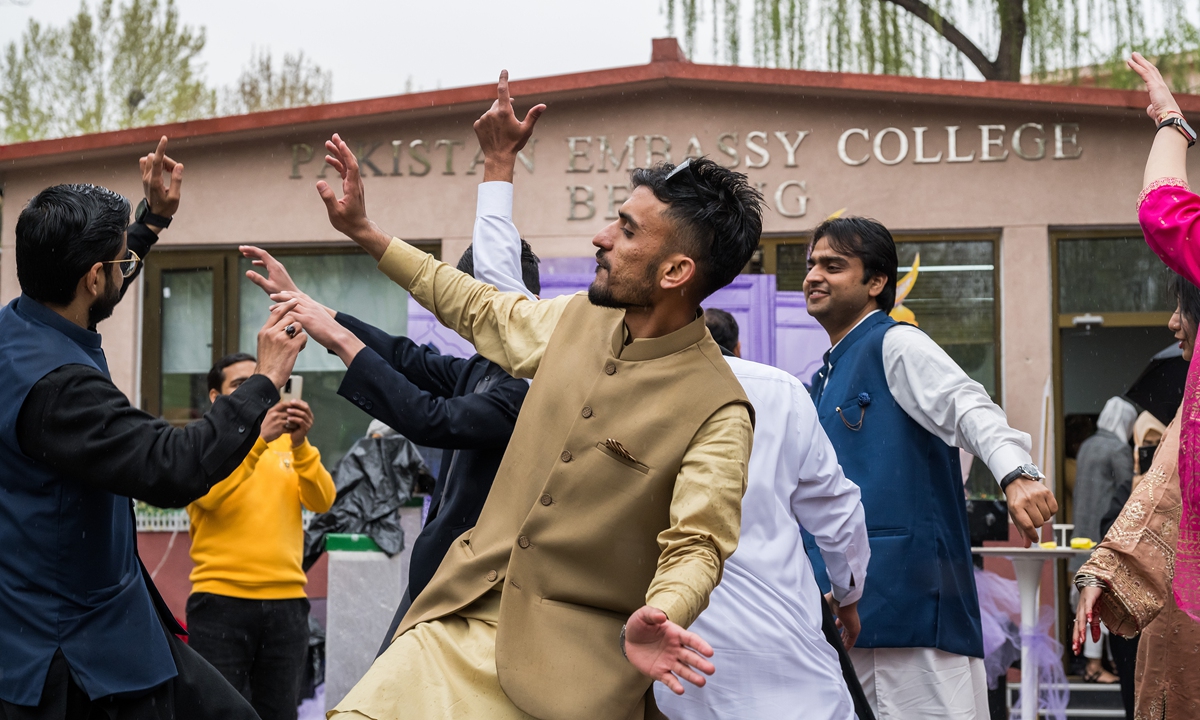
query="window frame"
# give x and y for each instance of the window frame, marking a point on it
(771, 241)
(224, 261)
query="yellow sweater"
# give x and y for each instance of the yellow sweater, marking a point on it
(247, 535)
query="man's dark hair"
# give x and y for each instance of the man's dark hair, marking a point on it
(870, 242)
(62, 233)
(216, 376)
(723, 326)
(529, 266)
(717, 213)
(1188, 296)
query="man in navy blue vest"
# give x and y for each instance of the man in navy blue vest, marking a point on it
(83, 632)
(896, 408)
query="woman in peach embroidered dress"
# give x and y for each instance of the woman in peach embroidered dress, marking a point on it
(1145, 576)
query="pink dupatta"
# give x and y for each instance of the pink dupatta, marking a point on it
(1170, 217)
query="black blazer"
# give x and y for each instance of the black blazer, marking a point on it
(467, 407)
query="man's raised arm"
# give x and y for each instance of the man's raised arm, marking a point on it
(504, 327)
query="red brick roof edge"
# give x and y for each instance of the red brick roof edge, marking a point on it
(656, 70)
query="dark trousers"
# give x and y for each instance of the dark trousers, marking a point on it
(198, 692)
(259, 646)
(1124, 652)
(862, 708)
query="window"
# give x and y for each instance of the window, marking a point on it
(347, 283)
(953, 299)
(200, 306)
(1114, 274)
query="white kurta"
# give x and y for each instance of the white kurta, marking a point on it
(763, 620)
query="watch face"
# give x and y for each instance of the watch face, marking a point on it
(142, 208)
(1188, 128)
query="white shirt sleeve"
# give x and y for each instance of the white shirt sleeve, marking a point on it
(936, 393)
(829, 505)
(495, 241)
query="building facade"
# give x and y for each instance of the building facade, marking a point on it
(1015, 202)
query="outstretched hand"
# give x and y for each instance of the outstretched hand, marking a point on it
(348, 215)
(501, 136)
(1161, 99)
(663, 650)
(277, 278)
(162, 198)
(1031, 505)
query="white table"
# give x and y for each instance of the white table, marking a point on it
(1028, 563)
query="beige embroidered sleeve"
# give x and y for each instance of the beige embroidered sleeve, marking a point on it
(1136, 561)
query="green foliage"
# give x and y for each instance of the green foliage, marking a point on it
(263, 85)
(111, 67)
(1079, 41)
(129, 64)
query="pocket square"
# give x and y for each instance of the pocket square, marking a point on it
(619, 449)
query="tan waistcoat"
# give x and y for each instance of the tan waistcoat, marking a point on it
(569, 530)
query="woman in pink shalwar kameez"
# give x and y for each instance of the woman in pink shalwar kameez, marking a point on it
(1145, 576)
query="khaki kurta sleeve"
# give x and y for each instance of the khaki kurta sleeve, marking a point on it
(706, 516)
(506, 328)
(1137, 558)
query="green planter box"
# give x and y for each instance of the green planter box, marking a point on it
(351, 542)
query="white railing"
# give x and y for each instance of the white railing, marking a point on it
(156, 520)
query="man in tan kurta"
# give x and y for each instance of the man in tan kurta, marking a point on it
(619, 497)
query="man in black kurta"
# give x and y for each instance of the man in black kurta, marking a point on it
(82, 628)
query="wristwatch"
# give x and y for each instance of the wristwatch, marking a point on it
(1182, 126)
(1028, 470)
(145, 217)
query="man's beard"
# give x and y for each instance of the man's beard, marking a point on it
(103, 308)
(602, 294)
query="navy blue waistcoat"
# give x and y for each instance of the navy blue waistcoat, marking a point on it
(920, 587)
(70, 577)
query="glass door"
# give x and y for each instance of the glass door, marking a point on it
(1113, 306)
(186, 329)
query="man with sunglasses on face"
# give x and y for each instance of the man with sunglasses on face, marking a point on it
(83, 632)
(619, 496)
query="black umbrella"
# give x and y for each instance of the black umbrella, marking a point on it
(1159, 388)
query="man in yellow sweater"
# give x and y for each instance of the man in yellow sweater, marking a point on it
(248, 614)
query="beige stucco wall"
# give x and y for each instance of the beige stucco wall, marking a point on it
(239, 189)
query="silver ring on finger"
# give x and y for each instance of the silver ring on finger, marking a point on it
(290, 330)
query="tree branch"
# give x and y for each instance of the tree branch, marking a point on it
(952, 34)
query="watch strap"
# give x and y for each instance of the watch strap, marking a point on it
(145, 217)
(149, 218)
(1012, 476)
(1182, 126)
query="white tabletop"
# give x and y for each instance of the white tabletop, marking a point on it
(1030, 552)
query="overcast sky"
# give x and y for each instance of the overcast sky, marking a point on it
(373, 46)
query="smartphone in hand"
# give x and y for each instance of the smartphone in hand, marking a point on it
(292, 389)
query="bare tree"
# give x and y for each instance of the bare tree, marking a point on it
(264, 85)
(1064, 39)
